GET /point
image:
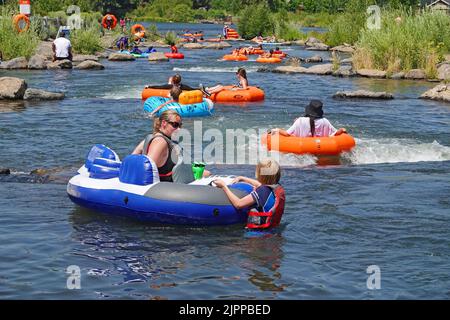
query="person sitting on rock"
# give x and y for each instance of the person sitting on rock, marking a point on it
(122, 43)
(62, 48)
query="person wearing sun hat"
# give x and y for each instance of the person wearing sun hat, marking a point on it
(311, 124)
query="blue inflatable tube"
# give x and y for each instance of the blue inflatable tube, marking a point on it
(204, 108)
(132, 189)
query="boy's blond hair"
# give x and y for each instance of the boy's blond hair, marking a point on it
(268, 172)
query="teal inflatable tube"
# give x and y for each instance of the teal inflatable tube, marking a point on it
(202, 109)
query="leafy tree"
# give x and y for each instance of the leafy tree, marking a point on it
(255, 20)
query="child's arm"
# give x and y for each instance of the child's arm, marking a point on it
(160, 107)
(237, 202)
(253, 182)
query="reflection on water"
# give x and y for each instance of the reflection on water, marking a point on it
(131, 252)
(12, 106)
(266, 252)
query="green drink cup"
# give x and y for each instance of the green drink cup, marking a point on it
(197, 169)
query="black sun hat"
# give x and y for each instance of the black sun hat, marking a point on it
(314, 109)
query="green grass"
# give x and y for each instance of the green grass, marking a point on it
(346, 28)
(418, 41)
(14, 44)
(170, 38)
(320, 19)
(86, 41)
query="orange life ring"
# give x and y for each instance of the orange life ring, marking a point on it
(114, 21)
(150, 92)
(137, 28)
(313, 145)
(233, 94)
(268, 60)
(21, 22)
(233, 57)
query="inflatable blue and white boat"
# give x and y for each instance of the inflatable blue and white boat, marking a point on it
(137, 55)
(204, 108)
(132, 189)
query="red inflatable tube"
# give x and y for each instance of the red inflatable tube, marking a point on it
(174, 55)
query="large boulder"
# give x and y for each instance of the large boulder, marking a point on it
(444, 71)
(121, 57)
(84, 57)
(193, 46)
(102, 55)
(398, 76)
(344, 71)
(12, 88)
(318, 47)
(440, 92)
(347, 61)
(364, 94)
(45, 50)
(313, 59)
(370, 73)
(60, 64)
(157, 56)
(321, 69)
(90, 65)
(311, 42)
(217, 45)
(17, 63)
(289, 69)
(299, 42)
(343, 49)
(415, 74)
(37, 62)
(37, 94)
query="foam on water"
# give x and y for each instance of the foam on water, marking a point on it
(122, 93)
(372, 151)
(214, 69)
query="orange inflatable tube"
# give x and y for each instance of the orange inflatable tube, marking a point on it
(150, 92)
(279, 55)
(233, 57)
(137, 28)
(233, 94)
(21, 22)
(114, 21)
(311, 145)
(268, 60)
(193, 35)
(257, 51)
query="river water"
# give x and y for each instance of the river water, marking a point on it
(387, 203)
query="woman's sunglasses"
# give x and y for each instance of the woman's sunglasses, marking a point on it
(176, 125)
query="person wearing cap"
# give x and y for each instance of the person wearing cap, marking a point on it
(62, 48)
(312, 124)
